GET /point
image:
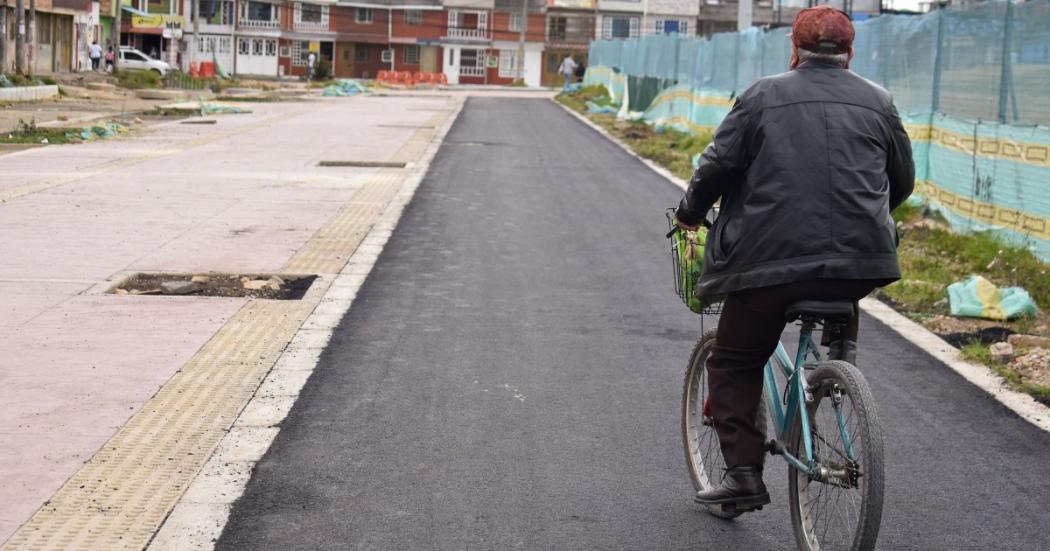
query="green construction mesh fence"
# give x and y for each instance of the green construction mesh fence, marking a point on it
(973, 85)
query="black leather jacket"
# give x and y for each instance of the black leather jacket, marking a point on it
(808, 165)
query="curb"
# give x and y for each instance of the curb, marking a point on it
(980, 376)
(200, 516)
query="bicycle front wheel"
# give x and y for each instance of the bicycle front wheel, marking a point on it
(840, 507)
(703, 454)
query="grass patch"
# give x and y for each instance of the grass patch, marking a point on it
(138, 80)
(667, 147)
(932, 256)
(30, 133)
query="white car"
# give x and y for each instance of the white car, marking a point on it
(134, 60)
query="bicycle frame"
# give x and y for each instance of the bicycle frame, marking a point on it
(795, 396)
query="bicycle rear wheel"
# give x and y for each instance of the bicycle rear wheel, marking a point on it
(703, 455)
(841, 507)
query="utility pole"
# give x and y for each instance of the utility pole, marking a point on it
(20, 37)
(743, 15)
(3, 38)
(520, 65)
(31, 31)
(195, 47)
(114, 36)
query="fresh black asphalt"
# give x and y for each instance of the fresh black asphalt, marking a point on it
(510, 374)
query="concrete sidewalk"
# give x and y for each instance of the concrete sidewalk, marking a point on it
(242, 196)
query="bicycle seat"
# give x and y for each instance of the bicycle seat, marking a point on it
(817, 310)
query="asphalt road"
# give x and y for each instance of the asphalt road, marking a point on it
(510, 377)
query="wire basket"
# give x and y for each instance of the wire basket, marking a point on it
(685, 280)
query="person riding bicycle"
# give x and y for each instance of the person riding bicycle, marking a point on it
(808, 165)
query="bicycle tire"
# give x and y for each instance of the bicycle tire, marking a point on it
(703, 456)
(867, 478)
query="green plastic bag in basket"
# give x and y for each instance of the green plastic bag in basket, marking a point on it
(689, 251)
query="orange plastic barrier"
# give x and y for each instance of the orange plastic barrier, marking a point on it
(207, 69)
(419, 78)
(195, 69)
(383, 76)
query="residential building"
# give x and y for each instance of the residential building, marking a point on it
(570, 28)
(63, 32)
(513, 20)
(670, 17)
(154, 27)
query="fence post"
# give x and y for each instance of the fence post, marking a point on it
(1006, 71)
(938, 64)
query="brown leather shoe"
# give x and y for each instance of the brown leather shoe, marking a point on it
(741, 486)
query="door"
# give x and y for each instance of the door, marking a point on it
(451, 65)
(344, 63)
(428, 59)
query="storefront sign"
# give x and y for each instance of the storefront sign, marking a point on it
(158, 22)
(315, 47)
(493, 61)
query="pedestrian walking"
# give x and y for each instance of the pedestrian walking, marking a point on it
(310, 61)
(816, 143)
(581, 71)
(95, 53)
(567, 70)
(110, 57)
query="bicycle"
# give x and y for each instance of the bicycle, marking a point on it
(820, 403)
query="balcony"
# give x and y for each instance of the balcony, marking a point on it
(464, 33)
(258, 24)
(465, 71)
(467, 25)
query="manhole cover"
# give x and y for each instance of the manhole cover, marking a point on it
(363, 164)
(266, 286)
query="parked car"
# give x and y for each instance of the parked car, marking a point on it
(134, 60)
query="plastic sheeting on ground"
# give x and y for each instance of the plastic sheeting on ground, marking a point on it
(4, 83)
(976, 297)
(99, 132)
(344, 87)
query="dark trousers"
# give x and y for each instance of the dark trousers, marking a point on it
(748, 332)
(94, 63)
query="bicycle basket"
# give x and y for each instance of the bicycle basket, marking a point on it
(687, 257)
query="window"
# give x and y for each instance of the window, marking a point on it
(223, 14)
(363, 15)
(361, 53)
(472, 62)
(411, 55)
(261, 11)
(257, 46)
(508, 64)
(413, 17)
(619, 27)
(311, 16)
(670, 26)
(515, 22)
(300, 53)
(243, 46)
(271, 48)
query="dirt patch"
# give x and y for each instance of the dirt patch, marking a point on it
(264, 286)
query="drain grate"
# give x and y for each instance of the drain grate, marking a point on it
(363, 164)
(199, 121)
(265, 286)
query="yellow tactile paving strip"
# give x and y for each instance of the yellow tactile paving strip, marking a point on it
(121, 496)
(330, 248)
